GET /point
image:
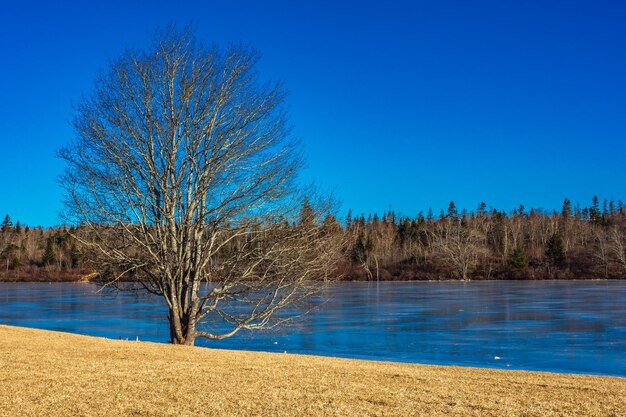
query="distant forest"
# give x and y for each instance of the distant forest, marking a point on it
(575, 243)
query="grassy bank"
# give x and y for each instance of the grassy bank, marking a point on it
(58, 374)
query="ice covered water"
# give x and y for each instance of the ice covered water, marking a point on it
(562, 326)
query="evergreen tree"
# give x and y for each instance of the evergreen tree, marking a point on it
(7, 224)
(49, 257)
(584, 214)
(349, 218)
(482, 207)
(594, 211)
(330, 225)
(518, 259)
(577, 212)
(362, 249)
(306, 214)
(554, 250)
(453, 213)
(8, 255)
(404, 230)
(430, 216)
(566, 211)
(464, 218)
(75, 256)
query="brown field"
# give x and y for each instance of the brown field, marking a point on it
(56, 374)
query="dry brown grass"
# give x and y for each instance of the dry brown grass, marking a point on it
(58, 374)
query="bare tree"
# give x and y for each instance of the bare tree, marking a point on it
(602, 249)
(458, 246)
(182, 176)
(618, 243)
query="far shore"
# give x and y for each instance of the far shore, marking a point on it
(90, 276)
(59, 374)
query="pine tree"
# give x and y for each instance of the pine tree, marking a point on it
(7, 224)
(464, 218)
(554, 250)
(453, 213)
(306, 214)
(482, 208)
(74, 256)
(430, 216)
(566, 212)
(8, 254)
(594, 211)
(330, 225)
(349, 218)
(362, 249)
(584, 214)
(518, 259)
(49, 257)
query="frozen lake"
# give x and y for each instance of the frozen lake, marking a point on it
(560, 326)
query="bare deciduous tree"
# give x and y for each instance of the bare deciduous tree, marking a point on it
(182, 175)
(458, 246)
(618, 242)
(602, 249)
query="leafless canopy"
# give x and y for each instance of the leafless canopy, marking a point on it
(182, 176)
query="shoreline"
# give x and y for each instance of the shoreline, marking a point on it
(86, 278)
(369, 360)
(346, 357)
(55, 373)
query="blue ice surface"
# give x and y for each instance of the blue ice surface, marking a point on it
(556, 326)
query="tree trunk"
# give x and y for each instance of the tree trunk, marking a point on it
(181, 331)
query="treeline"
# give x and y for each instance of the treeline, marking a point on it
(38, 254)
(573, 243)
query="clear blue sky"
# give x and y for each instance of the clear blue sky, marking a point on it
(405, 105)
